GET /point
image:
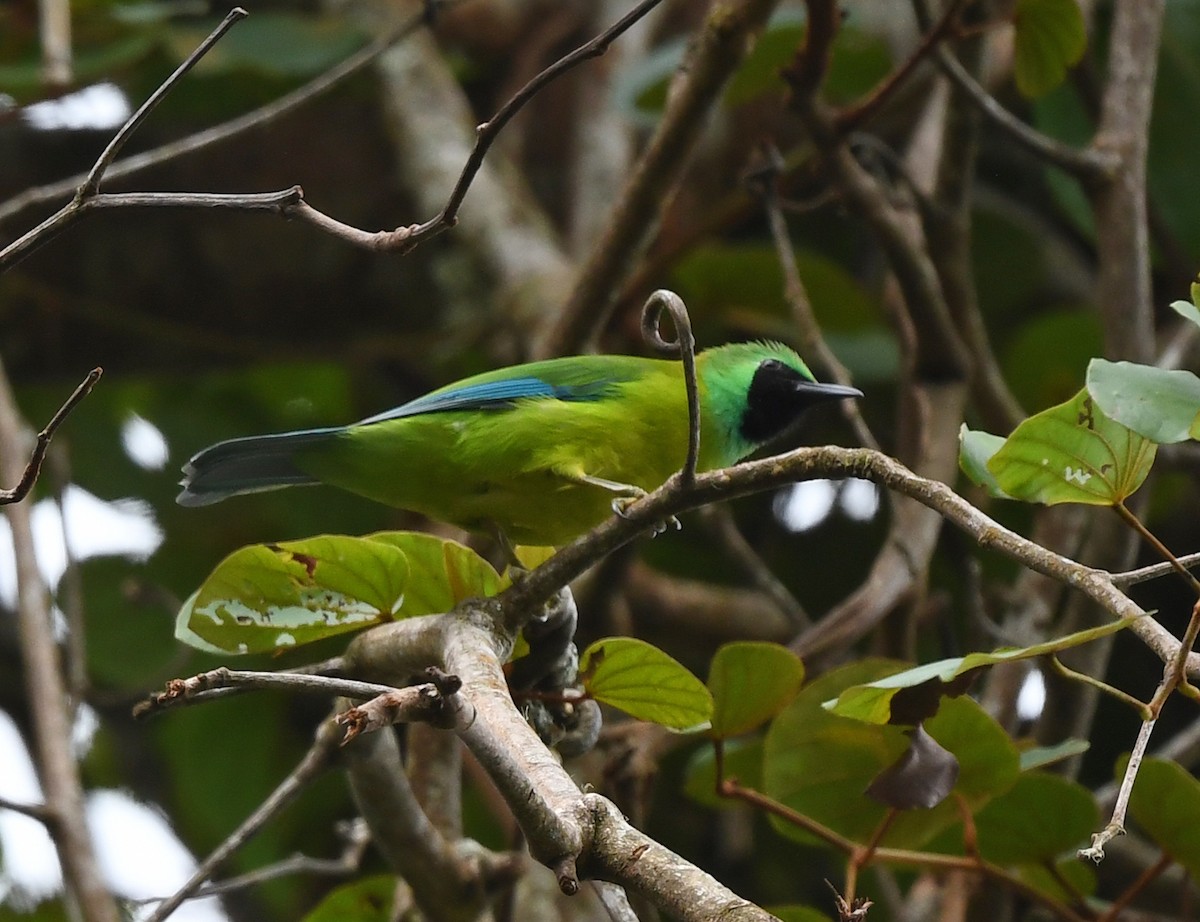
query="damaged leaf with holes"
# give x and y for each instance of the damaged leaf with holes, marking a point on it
(1072, 453)
(269, 597)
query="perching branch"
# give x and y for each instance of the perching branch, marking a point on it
(770, 473)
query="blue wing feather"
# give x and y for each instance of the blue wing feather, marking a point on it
(492, 395)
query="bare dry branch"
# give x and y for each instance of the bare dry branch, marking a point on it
(30, 474)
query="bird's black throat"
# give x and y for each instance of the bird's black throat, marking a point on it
(778, 396)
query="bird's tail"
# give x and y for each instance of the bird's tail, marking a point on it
(249, 465)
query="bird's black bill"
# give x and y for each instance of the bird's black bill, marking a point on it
(817, 391)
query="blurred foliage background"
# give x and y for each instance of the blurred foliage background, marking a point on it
(216, 324)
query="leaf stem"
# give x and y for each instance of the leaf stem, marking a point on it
(1067, 672)
(1136, 524)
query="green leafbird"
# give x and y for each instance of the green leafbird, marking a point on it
(538, 450)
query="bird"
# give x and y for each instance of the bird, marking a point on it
(543, 451)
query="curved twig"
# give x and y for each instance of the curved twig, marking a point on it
(684, 346)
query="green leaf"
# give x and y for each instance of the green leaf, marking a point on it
(912, 695)
(270, 597)
(442, 572)
(367, 900)
(819, 763)
(1187, 309)
(1041, 756)
(643, 681)
(1072, 453)
(1166, 803)
(1080, 877)
(751, 682)
(1159, 404)
(1036, 820)
(1050, 37)
(975, 449)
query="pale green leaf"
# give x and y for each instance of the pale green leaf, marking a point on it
(975, 449)
(1186, 309)
(1166, 803)
(1160, 404)
(643, 681)
(1041, 756)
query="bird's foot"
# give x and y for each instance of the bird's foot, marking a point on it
(670, 521)
(621, 504)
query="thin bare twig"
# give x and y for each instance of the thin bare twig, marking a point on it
(851, 119)
(1088, 164)
(356, 836)
(33, 468)
(223, 680)
(409, 237)
(39, 812)
(315, 761)
(91, 185)
(202, 139)
(719, 522)
(88, 192)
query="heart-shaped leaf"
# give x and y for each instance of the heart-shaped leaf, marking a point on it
(642, 680)
(751, 682)
(1072, 453)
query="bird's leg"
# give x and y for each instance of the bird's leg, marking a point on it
(508, 551)
(627, 495)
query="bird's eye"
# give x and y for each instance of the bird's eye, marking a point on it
(773, 364)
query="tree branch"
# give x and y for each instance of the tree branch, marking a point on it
(46, 691)
(720, 46)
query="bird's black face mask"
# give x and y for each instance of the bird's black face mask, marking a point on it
(778, 396)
